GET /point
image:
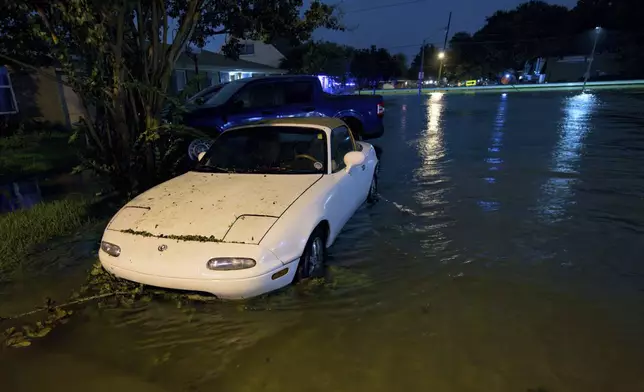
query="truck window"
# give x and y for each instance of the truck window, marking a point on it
(341, 144)
(297, 92)
(258, 95)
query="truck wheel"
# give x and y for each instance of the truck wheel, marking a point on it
(197, 146)
(355, 126)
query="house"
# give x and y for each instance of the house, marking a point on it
(7, 96)
(43, 95)
(38, 95)
(215, 68)
(260, 52)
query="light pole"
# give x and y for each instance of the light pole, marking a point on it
(592, 57)
(441, 57)
(421, 71)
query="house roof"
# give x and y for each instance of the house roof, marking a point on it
(207, 58)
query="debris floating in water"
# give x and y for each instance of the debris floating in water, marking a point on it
(400, 207)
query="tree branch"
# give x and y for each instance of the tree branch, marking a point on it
(142, 44)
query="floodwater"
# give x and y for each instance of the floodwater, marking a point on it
(29, 192)
(506, 255)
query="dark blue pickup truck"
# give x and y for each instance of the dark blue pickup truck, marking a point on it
(248, 100)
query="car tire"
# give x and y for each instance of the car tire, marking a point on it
(372, 197)
(312, 264)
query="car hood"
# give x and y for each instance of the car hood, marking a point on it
(216, 207)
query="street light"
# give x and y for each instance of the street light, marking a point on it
(441, 57)
(592, 57)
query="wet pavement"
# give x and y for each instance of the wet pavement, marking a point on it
(506, 255)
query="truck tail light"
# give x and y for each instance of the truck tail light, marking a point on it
(381, 109)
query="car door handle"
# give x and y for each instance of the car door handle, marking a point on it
(308, 108)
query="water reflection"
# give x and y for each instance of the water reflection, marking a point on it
(19, 195)
(575, 126)
(493, 159)
(403, 119)
(430, 179)
(433, 150)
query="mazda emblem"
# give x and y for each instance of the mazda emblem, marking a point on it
(162, 247)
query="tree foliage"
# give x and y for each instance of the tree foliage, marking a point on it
(376, 64)
(119, 56)
(319, 57)
(16, 39)
(430, 63)
(328, 58)
(538, 29)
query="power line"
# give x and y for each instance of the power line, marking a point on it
(485, 42)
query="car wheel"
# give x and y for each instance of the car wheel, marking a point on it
(372, 197)
(313, 261)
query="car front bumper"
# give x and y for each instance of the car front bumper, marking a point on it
(222, 288)
(181, 265)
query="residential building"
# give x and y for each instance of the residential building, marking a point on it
(215, 68)
(43, 95)
(260, 52)
(38, 95)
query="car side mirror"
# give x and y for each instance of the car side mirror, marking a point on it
(353, 158)
(200, 156)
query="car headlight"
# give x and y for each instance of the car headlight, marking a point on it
(111, 249)
(230, 263)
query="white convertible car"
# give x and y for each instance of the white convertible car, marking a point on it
(258, 211)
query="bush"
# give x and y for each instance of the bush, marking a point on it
(21, 231)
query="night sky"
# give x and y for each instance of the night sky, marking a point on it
(401, 25)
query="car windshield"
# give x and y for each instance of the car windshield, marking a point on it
(267, 150)
(206, 93)
(226, 92)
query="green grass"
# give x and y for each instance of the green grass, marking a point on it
(21, 231)
(35, 154)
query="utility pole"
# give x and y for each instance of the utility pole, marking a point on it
(421, 70)
(442, 54)
(592, 57)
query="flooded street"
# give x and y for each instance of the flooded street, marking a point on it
(506, 255)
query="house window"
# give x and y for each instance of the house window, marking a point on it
(247, 49)
(181, 79)
(8, 103)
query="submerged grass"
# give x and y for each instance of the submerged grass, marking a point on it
(21, 231)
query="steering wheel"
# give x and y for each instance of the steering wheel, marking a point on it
(307, 156)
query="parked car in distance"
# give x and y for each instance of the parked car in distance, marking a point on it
(245, 101)
(257, 212)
